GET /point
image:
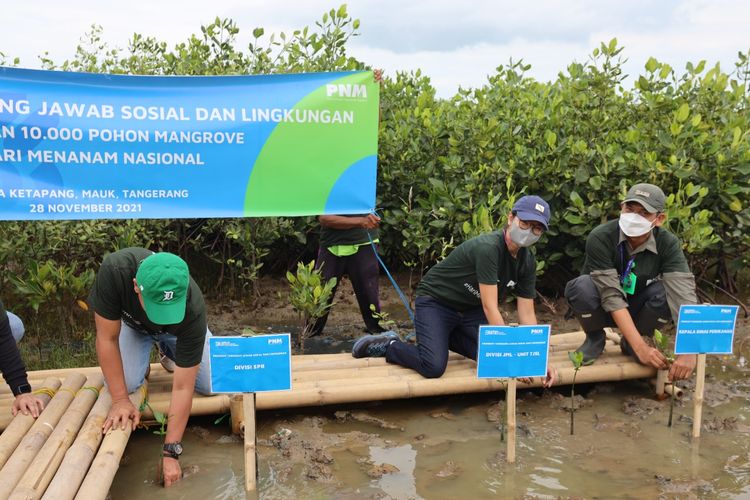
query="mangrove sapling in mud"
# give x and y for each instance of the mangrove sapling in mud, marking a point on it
(161, 419)
(310, 296)
(577, 359)
(662, 343)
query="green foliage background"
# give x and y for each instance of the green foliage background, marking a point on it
(448, 168)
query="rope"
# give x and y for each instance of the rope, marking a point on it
(67, 389)
(45, 390)
(393, 281)
(90, 388)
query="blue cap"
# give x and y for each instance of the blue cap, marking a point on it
(534, 208)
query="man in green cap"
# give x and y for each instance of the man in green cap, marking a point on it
(141, 298)
(635, 277)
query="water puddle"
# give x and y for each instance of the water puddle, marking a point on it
(451, 447)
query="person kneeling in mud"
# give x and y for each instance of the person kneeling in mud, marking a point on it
(635, 277)
(461, 292)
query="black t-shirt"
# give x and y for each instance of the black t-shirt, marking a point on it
(113, 297)
(484, 259)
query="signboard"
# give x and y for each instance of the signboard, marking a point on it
(705, 329)
(513, 351)
(98, 146)
(251, 364)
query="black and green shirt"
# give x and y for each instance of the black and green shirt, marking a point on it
(113, 297)
(484, 259)
(330, 237)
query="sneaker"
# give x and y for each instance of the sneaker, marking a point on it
(373, 346)
(166, 362)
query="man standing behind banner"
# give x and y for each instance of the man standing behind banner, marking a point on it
(345, 248)
(141, 298)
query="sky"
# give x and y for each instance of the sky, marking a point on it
(455, 43)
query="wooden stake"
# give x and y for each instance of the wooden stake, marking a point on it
(700, 379)
(248, 407)
(510, 403)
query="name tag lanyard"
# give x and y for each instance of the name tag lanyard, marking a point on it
(627, 278)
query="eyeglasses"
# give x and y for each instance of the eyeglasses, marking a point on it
(535, 227)
(637, 208)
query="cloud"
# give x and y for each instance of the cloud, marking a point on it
(456, 43)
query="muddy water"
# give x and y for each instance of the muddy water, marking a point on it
(451, 448)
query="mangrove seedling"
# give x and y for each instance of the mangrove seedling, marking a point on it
(310, 296)
(577, 359)
(662, 343)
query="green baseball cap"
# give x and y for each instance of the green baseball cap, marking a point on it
(651, 197)
(163, 280)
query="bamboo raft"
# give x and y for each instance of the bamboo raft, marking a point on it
(63, 454)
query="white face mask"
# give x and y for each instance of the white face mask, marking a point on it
(522, 237)
(634, 225)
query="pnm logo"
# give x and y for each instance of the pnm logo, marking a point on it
(346, 90)
(168, 295)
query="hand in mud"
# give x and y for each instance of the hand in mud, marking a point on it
(171, 470)
(120, 415)
(651, 356)
(377, 75)
(27, 404)
(682, 367)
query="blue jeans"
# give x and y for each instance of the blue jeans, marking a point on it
(16, 326)
(135, 351)
(439, 329)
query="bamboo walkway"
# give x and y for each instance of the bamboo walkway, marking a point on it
(64, 455)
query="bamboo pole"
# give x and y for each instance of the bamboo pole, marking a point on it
(661, 381)
(104, 467)
(248, 429)
(408, 384)
(236, 413)
(36, 436)
(42, 469)
(79, 456)
(510, 404)
(16, 430)
(700, 379)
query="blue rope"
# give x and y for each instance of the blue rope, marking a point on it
(400, 293)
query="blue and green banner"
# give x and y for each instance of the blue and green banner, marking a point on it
(98, 146)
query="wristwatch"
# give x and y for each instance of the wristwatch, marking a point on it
(22, 389)
(172, 450)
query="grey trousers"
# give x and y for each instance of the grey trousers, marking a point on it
(648, 308)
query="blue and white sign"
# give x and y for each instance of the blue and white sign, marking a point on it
(513, 351)
(705, 329)
(251, 364)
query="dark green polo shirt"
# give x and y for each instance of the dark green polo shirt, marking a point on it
(114, 298)
(604, 250)
(484, 259)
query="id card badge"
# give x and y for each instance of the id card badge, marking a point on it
(628, 284)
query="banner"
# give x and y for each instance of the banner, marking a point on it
(99, 146)
(513, 351)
